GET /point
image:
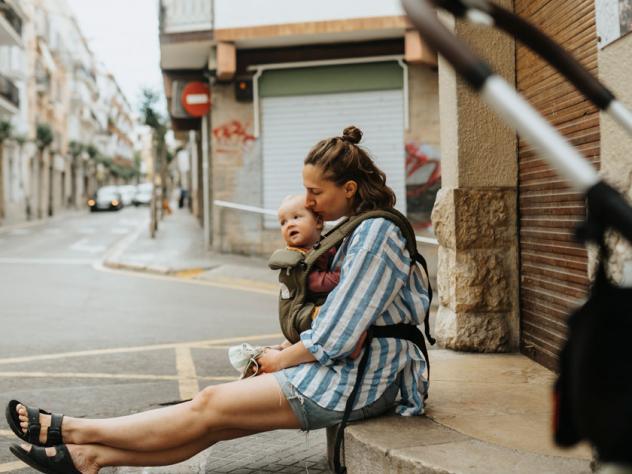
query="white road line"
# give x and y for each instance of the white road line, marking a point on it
(83, 245)
(187, 376)
(19, 232)
(46, 261)
(52, 231)
(122, 350)
(12, 466)
(98, 375)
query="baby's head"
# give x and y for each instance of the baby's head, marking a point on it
(300, 227)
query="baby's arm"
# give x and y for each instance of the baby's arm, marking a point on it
(322, 281)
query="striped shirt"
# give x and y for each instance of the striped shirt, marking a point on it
(377, 287)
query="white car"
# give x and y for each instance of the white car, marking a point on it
(106, 199)
(143, 194)
(127, 193)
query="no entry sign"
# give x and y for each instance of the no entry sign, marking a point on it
(196, 99)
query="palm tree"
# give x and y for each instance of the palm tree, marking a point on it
(43, 140)
(75, 150)
(5, 134)
(158, 123)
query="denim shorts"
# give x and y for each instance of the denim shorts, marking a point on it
(312, 416)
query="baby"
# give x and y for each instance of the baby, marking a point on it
(301, 230)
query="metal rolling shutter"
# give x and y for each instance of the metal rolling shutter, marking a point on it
(553, 267)
(291, 125)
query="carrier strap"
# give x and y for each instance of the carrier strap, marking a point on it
(409, 332)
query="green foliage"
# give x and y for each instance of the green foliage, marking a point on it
(43, 136)
(92, 151)
(151, 116)
(75, 148)
(5, 130)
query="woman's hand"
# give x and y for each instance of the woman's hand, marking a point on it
(269, 361)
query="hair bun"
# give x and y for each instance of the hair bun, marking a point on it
(352, 134)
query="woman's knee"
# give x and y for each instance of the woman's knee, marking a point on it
(204, 405)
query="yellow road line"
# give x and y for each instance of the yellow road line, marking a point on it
(250, 286)
(12, 466)
(97, 375)
(7, 433)
(119, 350)
(187, 378)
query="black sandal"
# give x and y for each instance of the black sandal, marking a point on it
(60, 463)
(53, 436)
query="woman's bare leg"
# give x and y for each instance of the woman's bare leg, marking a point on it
(89, 458)
(256, 404)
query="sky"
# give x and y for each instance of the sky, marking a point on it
(123, 34)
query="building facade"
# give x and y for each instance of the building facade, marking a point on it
(61, 114)
(281, 79)
(510, 271)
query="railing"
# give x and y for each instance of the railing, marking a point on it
(179, 16)
(270, 212)
(11, 16)
(9, 91)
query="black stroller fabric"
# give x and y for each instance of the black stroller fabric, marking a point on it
(594, 388)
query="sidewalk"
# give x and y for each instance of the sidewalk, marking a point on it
(487, 413)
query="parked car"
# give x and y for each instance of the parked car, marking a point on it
(127, 192)
(107, 198)
(143, 194)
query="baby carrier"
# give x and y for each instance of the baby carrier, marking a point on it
(296, 306)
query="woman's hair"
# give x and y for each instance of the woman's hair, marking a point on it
(342, 160)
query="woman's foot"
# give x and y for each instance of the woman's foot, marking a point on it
(84, 461)
(24, 423)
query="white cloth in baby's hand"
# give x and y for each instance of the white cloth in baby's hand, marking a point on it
(243, 358)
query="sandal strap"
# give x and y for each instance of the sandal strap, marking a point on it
(38, 454)
(53, 436)
(34, 426)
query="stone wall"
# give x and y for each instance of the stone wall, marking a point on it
(475, 214)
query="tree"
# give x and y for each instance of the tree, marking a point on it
(5, 133)
(43, 139)
(75, 149)
(159, 125)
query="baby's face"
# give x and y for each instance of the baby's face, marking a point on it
(299, 226)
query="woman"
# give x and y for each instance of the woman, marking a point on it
(378, 286)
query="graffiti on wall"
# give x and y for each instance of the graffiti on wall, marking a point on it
(423, 180)
(232, 137)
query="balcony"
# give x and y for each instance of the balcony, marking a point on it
(9, 96)
(185, 16)
(10, 25)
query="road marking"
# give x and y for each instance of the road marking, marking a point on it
(12, 466)
(19, 232)
(7, 433)
(97, 375)
(83, 245)
(47, 261)
(120, 231)
(52, 231)
(120, 350)
(187, 377)
(250, 286)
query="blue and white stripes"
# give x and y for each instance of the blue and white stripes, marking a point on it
(377, 287)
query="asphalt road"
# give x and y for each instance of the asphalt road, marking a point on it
(79, 339)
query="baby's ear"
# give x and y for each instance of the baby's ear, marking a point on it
(319, 223)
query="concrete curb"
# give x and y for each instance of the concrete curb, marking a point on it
(422, 445)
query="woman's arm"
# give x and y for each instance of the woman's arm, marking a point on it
(273, 360)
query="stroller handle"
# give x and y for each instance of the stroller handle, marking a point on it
(516, 111)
